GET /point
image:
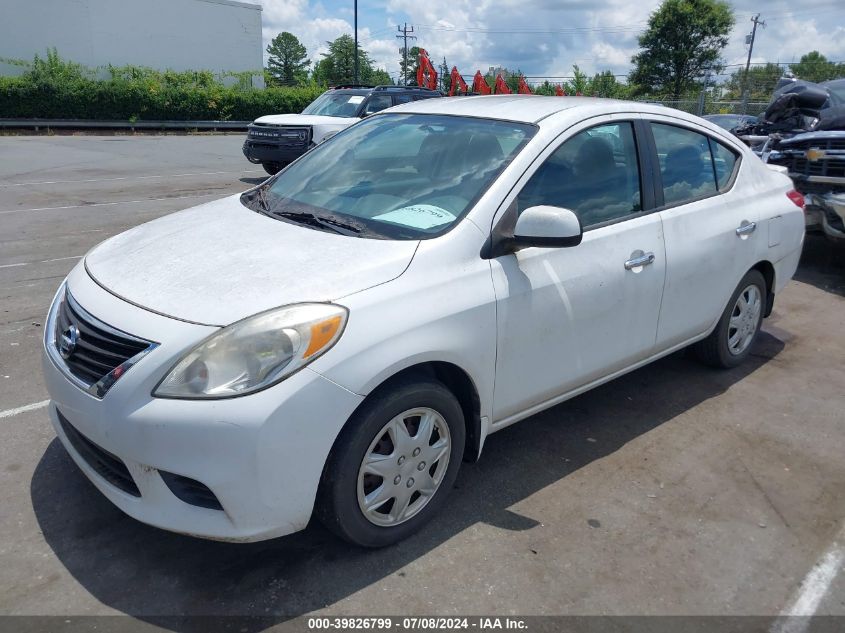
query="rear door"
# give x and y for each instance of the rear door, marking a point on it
(710, 227)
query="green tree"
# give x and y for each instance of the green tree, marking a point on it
(815, 67)
(761, 82)
(684, 40)
(605, 84)
(288, 63)
(579, 83)
(337, 67)
(445, 77)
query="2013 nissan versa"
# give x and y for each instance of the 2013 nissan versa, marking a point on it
(340, 338)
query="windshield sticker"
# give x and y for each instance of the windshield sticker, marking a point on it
(418, 216)
(356, 99)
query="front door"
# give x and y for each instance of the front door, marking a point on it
(569, 316)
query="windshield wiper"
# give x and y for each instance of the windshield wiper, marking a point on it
(305, 217)
(262, 198)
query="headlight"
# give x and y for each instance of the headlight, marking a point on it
(255, 353)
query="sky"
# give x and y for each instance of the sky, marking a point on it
(544, 38)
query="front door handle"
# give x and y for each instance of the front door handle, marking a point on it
(746, 228)
(642, 260)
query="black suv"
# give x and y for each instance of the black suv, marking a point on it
(277, 139)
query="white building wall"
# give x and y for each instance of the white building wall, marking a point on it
(217, 35)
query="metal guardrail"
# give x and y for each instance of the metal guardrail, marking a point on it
(86, 124)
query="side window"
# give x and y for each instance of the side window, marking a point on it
(376, 103)
(594, 173)
(686, 166)
(397, 99)
(724, 162)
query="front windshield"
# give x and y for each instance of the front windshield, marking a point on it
(335, 104)
(397, 176)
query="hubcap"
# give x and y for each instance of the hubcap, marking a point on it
(404, 466)
(744, 320)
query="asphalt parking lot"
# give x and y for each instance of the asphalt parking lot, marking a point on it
(674, 490)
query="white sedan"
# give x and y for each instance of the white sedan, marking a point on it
(339, 339)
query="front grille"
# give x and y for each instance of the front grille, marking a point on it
(799, 166)
(108, 466)
(93, 352)
(190, 491)
(281, 135)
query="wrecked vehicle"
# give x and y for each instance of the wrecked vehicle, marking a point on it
(803, 130)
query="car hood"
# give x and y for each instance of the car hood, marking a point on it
(305, 119)
(220, 262)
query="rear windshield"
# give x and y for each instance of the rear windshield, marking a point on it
(343, 104)
(401, 176)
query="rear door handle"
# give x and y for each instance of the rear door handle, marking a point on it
(746, 228)
(643, 260)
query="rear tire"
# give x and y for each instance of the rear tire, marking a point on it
(733, 337)
(380, 485)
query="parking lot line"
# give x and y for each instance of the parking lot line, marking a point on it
(43, 261)
(64, 182)
(813, 588)
(8, 413)
(108, 204)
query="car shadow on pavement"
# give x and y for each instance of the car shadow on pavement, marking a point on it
(253, 181)
(822, 265)
(161, 578)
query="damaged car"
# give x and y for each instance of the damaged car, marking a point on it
(803, 130)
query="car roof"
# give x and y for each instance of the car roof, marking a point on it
(519, 108)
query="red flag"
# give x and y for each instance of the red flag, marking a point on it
(479, 84)
(458, 83)
(426, 74)
(523, 87)
(560, 92)
(501, 86)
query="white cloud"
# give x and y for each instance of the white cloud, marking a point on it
(546, 37)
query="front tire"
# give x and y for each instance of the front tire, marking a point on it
(272, 168)
(393, 464)
(731, 341)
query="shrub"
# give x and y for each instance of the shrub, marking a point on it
(56, 89)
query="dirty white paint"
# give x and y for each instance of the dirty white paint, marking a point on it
(8, 413)
(813, 589)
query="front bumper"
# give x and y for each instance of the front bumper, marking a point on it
(268, 152)
(260, 455)
(827, 212)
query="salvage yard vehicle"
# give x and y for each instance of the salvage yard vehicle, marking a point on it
(337, 340)
(276, 140)
(804, 131)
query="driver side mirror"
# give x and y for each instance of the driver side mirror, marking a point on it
(545, 226)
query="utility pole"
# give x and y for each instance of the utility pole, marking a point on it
(756, 20)
(356, 43)
(405, 31)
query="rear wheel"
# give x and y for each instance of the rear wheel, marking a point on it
(393, 464)
(731, 341)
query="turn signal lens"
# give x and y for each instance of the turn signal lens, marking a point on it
(796, 197)
(322, 334)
